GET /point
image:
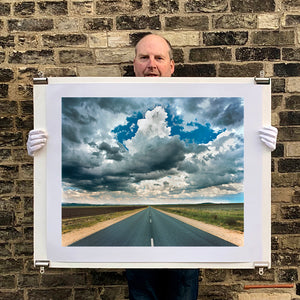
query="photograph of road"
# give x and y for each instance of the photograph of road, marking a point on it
(158, 171)
(151, 227)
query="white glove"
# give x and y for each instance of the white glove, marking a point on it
(36, 140)
(268, 135)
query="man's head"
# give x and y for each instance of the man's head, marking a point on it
(153, 57)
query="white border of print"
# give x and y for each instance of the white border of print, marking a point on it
(48, 194)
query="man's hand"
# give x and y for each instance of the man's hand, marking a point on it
(268, 135)
(36, 140)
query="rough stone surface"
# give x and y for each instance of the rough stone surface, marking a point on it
(96, 38)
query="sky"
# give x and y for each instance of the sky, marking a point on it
(152, 150)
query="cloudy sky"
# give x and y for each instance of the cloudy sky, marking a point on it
(152, 150)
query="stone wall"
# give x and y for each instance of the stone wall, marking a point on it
(94, 38)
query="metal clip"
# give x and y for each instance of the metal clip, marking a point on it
(40, 80)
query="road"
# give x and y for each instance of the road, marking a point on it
(151, 227)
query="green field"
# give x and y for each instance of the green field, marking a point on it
(230, 216)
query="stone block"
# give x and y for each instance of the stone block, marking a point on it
(63, 280)
(205, 6)
(289, 134)
(26, 107)
(290, 212)
(241, 70)
(284, 259)
(98, 40)
(184, 38)
(67, 25)
(2, 56)
(82, 8)
(293, 85)
(291, 5)
(215, 275)
(26, 171)
(7, 234)
(225, 38)
(234, 21)
(12, 295)
(24, 9)
(53, 8)
(252, 6)
(287, 227)
(5, 9)
(287, 275)
(100, 71)
(293, 102)
(64, 40)
(108, 277)
(268, 21)
(289, 118)
(98, 24)
(9, 172)
(200, 23)
(6, 123)
(287, 70)
(11, 266)
(8, 139)
(163, 6)
(3, 90)
(281, 195)
(291, 20)
(76, 56)
(285, 179)
(114, 292)
(195, 70)
(273, 38)
(291, 243)
(117, 6)
(118, 39)
(7, 41)
(25, 91)
(293, 149)
(21, 25)
(249, 275)
(210, 54)
(32, 57)
(7, 218)
(264, 296)
(278, 85)
(23, 249)
(257, 54)
(120, 55)
(27, 280)
(288, 165)
(276, 101)
(7, 282)
(138, 22)
(85, 293)
(25, 122)
(53, 294)
(5, 154)
(24, 187)
(6, 75)
(60, 72)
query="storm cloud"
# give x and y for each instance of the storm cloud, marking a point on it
(154, 148)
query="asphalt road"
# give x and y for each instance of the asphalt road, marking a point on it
(151, 228)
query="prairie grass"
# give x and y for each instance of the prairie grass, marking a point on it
(228, 217)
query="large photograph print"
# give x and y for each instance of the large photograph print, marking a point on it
(152, 171)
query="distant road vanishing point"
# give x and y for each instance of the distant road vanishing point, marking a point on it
(152, 228)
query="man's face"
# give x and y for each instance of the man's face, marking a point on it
(152, 58)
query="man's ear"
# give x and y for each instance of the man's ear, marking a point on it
(172, 66)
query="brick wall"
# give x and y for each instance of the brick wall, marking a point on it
(95, 38)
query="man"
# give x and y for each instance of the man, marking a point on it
(154, 58)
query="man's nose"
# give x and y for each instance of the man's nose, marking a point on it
(151, 62)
